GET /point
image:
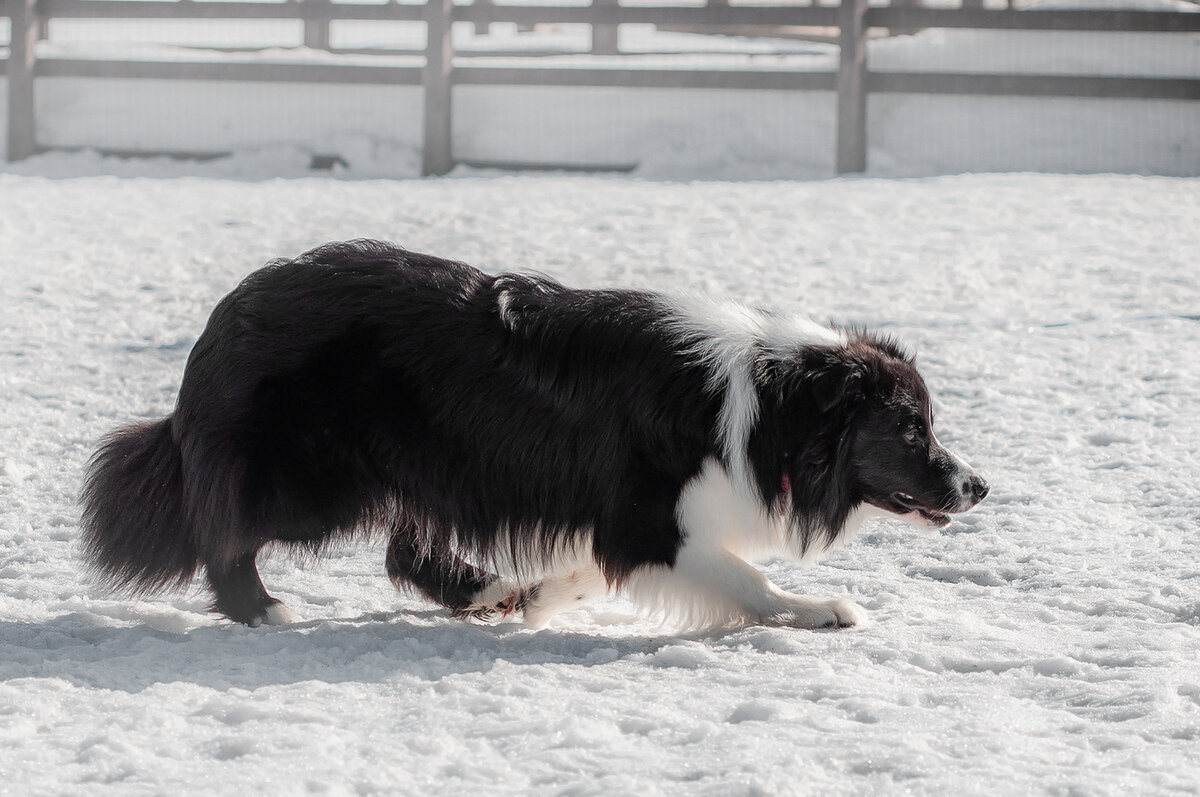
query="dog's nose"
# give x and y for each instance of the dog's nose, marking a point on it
(976, 488)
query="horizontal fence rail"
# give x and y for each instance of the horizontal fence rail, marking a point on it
(645, 78)
(713, 16)
(184, 9)
(905, 17)
(435, 70)
(1146, 88)
(229, 70)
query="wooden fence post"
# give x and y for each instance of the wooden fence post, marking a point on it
(316, 31)
(483, 28)
(438, 157)
(604, 37)
(852, 88)
(22, 137)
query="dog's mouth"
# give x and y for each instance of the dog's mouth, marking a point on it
(905, 504)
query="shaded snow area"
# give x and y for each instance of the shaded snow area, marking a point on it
(1046, 642)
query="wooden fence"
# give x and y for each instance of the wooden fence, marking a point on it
(853, 81)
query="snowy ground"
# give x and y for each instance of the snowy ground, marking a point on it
(1047, 642)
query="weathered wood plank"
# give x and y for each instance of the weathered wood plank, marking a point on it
(746, 79)
(316, 31)
(22, 58)
(604, 37)
(852, 88)
(1034, 19)
(438, 149)
(715, 16)
(170, 9)
(1035, 85)
(230, 70)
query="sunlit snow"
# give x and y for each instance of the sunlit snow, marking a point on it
(1048, 641)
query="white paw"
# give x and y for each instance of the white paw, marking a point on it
(279, 614)
(562, 593)
(811, 613)
(848, 612)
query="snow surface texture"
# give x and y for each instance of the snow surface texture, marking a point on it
(1046, 642)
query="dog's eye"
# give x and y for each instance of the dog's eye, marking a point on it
(913, 436)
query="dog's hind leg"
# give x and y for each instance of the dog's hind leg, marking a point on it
(439, 576)
(478, 596)
(240, 594)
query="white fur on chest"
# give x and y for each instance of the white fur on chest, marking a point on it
(715, 509)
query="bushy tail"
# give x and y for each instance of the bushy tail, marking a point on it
(135, 535)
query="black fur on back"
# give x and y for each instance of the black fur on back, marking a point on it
(360, 380)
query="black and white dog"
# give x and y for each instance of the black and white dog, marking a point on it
(525, 446)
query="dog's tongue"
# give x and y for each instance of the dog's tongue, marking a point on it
(785, 492)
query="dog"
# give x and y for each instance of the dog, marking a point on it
(524, 446)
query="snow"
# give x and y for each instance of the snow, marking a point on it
(1046, 642)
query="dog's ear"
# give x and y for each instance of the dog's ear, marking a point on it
(836, 378)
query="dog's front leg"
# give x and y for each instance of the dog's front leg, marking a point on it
(708, 585)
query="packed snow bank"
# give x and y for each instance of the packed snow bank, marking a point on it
(1047, 642)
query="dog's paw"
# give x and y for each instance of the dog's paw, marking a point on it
(848, 613)
(279, 614)
(274, 613)
(495, 602)
(810, 613)
(561, 593)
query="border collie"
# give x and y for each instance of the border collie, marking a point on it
(524, 446)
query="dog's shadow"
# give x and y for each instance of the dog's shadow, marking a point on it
(85, 651)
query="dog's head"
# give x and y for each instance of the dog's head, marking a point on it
(892, 458)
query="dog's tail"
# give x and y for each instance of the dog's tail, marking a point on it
(135, 533)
